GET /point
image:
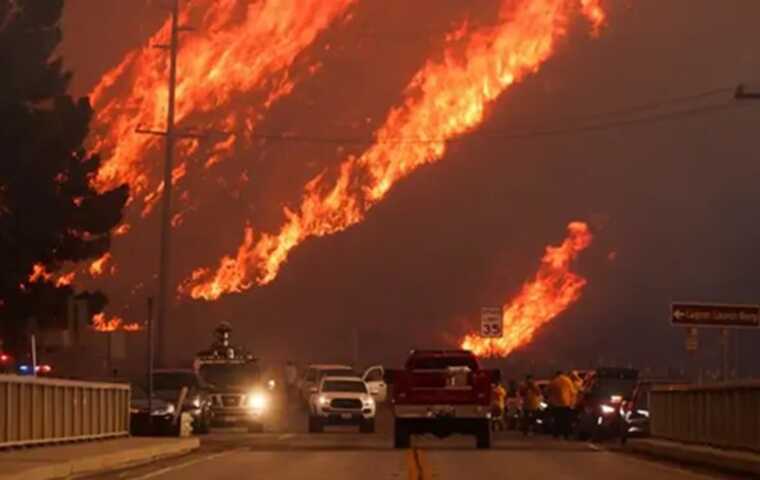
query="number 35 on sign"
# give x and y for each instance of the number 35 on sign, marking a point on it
(491, 325)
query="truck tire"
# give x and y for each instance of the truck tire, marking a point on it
(483, 435)
(367, 426)
(401, 435)
(315, 425)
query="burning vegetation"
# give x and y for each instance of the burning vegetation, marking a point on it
(249, 50)
(444, 100)
(548, 294)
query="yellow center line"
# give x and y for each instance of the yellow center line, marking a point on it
(418, 467)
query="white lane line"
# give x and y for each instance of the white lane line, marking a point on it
(180, 466)
(286, 436)
(594, 447)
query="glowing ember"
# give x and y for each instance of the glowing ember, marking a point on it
(444, 100)
(225, 56)
(122, 229)
(540, 300)
(39, 273)
(102, 324)
(65, 280)
(101, 266)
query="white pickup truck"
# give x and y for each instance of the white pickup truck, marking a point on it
(342, 401)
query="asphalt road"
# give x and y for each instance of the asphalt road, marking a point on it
(287, 452)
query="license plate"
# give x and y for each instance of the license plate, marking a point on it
(346, 416)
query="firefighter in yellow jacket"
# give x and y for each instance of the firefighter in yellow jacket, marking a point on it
(561, 394)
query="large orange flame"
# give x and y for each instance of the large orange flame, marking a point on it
(444, 100)
(540, 300)
(223, 57)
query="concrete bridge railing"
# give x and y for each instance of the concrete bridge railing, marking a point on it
(722, 415)
(36, 411)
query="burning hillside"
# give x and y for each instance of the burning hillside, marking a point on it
(548, 294)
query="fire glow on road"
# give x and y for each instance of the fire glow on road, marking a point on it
(444, 100)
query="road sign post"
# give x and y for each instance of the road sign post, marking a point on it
(694, 315)
(491, 323)
(716, 315)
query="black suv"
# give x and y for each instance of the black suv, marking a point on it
(167, 385)
(599, 405)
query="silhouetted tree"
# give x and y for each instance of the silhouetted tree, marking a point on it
(49, 213)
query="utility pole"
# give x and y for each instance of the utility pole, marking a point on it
(740, 94)
(171, 136)
(166, 203)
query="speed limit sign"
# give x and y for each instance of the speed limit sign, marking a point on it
(491, 322)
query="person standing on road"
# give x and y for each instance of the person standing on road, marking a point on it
(498, 406)
(291, 379)
(530, 395)
(561, 392)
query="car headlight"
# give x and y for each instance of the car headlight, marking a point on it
(271, 384)
(369, 402)
(607, 410)
(543, 405)
(196, 402)
(257, 401)
(324, 401)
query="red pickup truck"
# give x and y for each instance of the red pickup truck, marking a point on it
(442, 392)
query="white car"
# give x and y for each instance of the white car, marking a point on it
(342, 401)
(373, 376)
(314, 375)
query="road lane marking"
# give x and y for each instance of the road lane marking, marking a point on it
(180, 466)
(286, 436)
(418, 468)
(594, 447)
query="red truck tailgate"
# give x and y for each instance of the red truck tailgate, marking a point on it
(437, 387)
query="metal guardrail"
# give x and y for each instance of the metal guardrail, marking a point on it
(37, 411)
(722, 415)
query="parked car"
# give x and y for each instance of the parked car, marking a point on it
(635, 411)
(374, 377)
(314, 374)
(167, 385)
(150, 417)
(342, 401)
(598, 407)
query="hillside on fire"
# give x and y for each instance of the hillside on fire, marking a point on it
(377, 171)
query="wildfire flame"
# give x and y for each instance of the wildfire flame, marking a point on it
(102, 324)
(40, 274)
(540, 300)
(444, 100)
(224, 57)
(100, 266)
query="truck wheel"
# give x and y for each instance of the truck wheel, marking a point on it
(400, 434)
(315, 425)
(367, 426)
(483, 435)
(255, 428)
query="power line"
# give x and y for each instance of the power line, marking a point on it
(493, 135)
